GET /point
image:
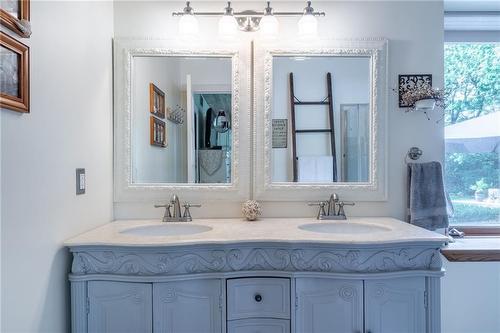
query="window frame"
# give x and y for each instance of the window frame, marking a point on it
(473, 37)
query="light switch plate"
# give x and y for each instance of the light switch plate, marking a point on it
(81, 181)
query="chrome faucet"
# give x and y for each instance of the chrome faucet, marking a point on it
(176, 215)
(334, 210)
(175, 204)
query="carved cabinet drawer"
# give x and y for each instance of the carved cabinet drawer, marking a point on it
(258, 325)
(258, 298)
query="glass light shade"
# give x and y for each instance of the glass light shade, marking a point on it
(228, 27)
(188, 27)
(308, 27)
(269, 27)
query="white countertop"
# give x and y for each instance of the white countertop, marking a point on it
(281, 230)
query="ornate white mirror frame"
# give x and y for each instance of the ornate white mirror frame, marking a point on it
(127, 191)
(376, 187)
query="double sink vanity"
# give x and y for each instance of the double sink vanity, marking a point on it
(184, 123)
(274, 275)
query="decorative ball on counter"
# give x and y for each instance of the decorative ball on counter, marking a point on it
(251, 209)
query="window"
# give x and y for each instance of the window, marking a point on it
(472, 132)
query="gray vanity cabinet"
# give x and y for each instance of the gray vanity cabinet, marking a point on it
(258, 305)
(259, 325)
(118, 307)
(390, 305)
(188, 306)
(326, 305)
(261, 288)
(395, 305)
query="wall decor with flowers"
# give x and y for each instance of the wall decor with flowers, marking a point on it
(417, 94)
(410, 82)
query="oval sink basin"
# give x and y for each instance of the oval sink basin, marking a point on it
(166, 230)
(343, 228)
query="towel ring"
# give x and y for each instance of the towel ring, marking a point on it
(413, 154)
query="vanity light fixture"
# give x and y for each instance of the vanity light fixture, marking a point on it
(188, 24)
(228, 27)
(250, 21)
(269, 25)
(308, 25)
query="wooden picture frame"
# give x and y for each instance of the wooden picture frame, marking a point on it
(156, 101)
(14, 88)
(17, 22)
(157, 132)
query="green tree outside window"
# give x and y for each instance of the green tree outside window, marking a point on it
(472, 85)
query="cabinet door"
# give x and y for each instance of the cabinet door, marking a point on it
(329, 305)
(117, 307)
(188, 306)
(395, 305)
(258, 325)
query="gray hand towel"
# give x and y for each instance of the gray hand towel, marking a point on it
(427, 204)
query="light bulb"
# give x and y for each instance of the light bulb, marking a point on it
(269, 27)
(308, 27)
(228, 28)
(188, 24)
(188, 27)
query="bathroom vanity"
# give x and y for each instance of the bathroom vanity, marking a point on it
(370, 275)
(274, 275)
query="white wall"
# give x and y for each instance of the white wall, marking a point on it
(152, 164)
(416, 46)
(70, 126)
(470, 297)
(207, 74)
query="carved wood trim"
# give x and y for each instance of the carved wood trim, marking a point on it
(219, 260)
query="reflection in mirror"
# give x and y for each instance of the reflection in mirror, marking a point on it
(181, 119)
(321, 116)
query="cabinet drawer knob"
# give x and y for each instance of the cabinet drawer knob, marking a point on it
(258, 298)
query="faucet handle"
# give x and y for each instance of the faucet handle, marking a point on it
(160, 206)
(187, 213)
(167, 210)
(322, 206)
(341, 205)
(319, 203)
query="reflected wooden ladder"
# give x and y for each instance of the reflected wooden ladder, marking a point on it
(294, 101)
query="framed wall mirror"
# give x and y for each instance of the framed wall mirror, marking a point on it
(177, 121)
(320, 120)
